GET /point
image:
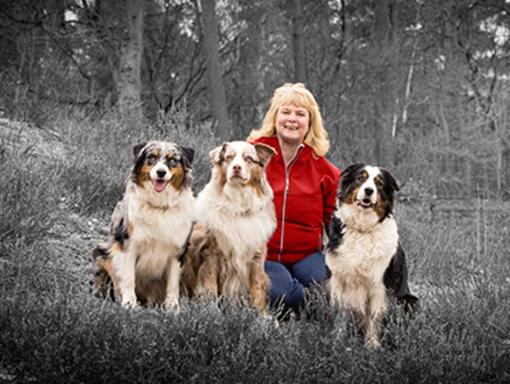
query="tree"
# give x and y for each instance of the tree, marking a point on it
(216, 89)
(384, 64)
(131, 50)
(298, 42)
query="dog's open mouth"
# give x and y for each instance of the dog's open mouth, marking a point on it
(365, 203)
(159, 185)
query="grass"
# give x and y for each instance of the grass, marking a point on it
(52, 329)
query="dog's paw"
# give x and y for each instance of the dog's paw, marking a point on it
(373, 343)
(129, 301)
(172, 304)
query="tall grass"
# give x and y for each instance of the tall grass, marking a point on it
(52, 329)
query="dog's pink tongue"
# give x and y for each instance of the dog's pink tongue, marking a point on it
(159, 185)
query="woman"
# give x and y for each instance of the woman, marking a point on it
(304, 185)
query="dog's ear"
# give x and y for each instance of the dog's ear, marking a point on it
(217, 154)
(137, 160)
(187, 156)
(264, 152)
(348, 172)
(390, 180)
(137, 148)
(347, 180)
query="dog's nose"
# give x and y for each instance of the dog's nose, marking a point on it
(369, 191)
(161, 173)
(236, 168)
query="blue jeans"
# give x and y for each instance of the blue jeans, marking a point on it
(287, 283)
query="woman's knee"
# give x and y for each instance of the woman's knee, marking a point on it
(311, 270)
(283, 288)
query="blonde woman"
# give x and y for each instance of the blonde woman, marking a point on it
(305, 186)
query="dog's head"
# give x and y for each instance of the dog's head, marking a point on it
(240, 163)
(159, 165)
(368, 188)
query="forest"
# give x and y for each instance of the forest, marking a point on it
(420, 87)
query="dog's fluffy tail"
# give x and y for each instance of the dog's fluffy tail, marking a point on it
(101, 267)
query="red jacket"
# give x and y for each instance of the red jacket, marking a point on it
(307, 206)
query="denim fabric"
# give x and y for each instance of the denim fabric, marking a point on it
(287, 283)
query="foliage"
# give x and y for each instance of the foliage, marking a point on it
(396, 80)
(52, 329)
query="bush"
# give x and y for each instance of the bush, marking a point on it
(30, 197)
(52, 329)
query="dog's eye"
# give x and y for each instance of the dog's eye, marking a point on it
(249, 159)
(171, 162)
(151, 159)
(361, 178)
(229, 157)
(378, 183)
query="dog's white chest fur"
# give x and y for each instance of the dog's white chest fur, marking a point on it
(242, 223)
(366, 249)
(158, 234)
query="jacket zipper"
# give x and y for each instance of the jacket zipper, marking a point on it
(285, 193)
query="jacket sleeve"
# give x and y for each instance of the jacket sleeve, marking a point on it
(329, 191)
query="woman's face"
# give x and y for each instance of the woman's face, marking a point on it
(292, 124)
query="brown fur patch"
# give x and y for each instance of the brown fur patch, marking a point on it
(255, 180)
(177, 176)
(143, 175)
(104, 277)
(204, 274)
(151, 292)
(116, 248)
(351, 198)
(198, 241)
(380, 207)
(222, 174)
(156, 152)
(259, 281)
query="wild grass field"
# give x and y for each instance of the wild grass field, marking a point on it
(57, 194)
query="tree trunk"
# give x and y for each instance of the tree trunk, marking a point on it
(247, 86)
(216, 89)
(384, 97)
(131, 50)
(298, 44)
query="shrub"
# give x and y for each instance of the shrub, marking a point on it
(30, 198)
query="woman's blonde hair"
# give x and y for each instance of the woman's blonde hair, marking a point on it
(296, 94)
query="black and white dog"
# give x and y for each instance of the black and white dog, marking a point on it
(364, 254)
(150, 226)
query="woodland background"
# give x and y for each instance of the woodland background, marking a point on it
(421, 87)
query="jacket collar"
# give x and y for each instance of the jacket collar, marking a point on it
(305, 150)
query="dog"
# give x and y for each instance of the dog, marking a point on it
(363, 239)
(235, 219)
(149, 228)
